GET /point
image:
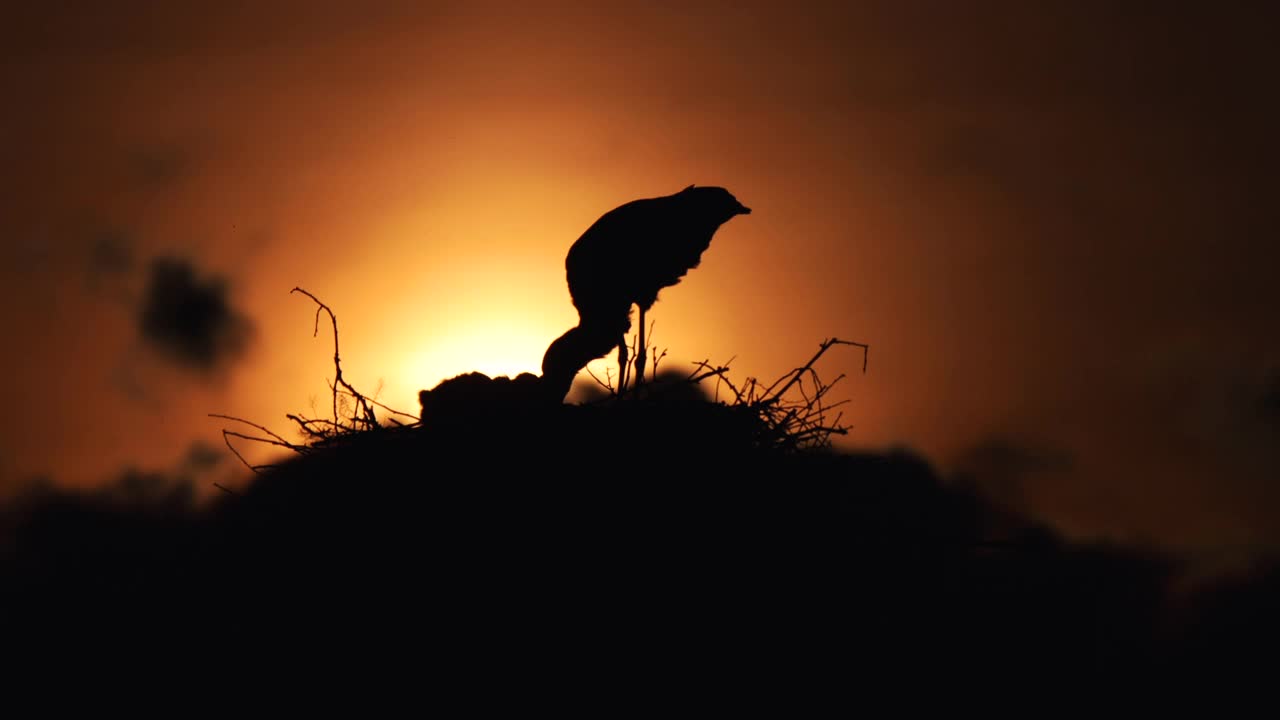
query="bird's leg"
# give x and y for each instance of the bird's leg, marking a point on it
(622, 364)
(641, 351)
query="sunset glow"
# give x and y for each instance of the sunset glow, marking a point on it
(1046, 226)
(492, 347)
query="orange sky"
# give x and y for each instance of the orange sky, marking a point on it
(1052, 224)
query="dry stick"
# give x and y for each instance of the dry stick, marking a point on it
(304, 424)
(641, 350)
(798, 372)
(308, 425)
(281, 441)
(236, 452)
(625, 350)
(232, 433)
(694, 378)
(391, 409)
(226, 438)
(657, 357)
(789, 423)
(369, 417)
(792, 420)
(226, 489)
(705, 365)
(277, 441)
(643, 356)
(718, 373)
(607, 383)
(651, 358)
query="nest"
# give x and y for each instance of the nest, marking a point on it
(793, 413)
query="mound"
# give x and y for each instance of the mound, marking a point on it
(612, 532)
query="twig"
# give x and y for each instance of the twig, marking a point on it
(787, 423)
(392, 410)
(607, 383)
(281, 440)
(228, 434)
(369, 418)
(798, 372)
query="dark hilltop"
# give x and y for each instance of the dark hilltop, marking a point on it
(606, 534)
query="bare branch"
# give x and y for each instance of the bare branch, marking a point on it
(822, 349)
(252, 425)
(226, 438)
(607, 383)
(793, 409)
(365, 408)
(392, 410)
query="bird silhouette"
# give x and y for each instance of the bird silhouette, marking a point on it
(626, 258)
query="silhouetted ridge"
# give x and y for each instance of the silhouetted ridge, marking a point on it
(610, 531)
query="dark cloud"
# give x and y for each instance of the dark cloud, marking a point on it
(189, 318)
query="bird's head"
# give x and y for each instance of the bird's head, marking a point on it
(715, 202)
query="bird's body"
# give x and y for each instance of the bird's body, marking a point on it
(633, 252)
(626, 258)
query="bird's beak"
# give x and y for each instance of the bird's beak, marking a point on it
(744, 210)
